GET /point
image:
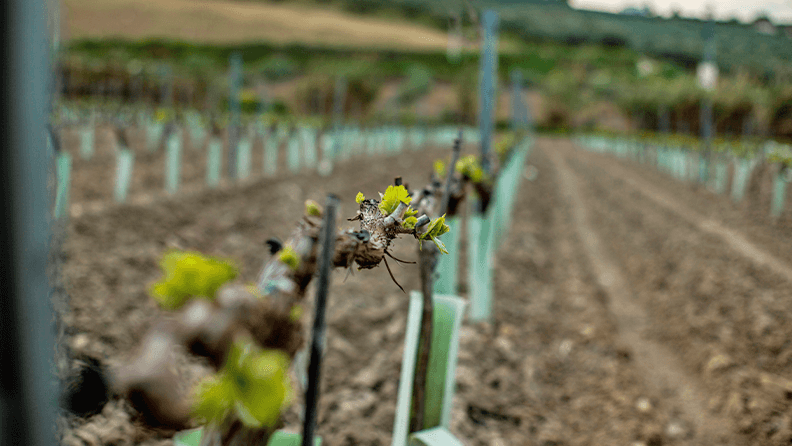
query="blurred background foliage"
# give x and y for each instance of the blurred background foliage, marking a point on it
(573, 59)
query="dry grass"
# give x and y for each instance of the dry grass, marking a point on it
(224, 21)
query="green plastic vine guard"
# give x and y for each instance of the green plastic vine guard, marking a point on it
(506, 190)
(667, 161)
(344, 142)
(387, 141)
(382, 141)
(742, 171)
(50, 146)
(480, 262)
(243, 158)
(356, 141)
(448, 264)
(661, 159)
(309, 147)
(670, 166)
(448, 314)
(372, 140)
(125, 160)
(684, 167)
(779, 194)
(87, 143)
(192, 437)
(438, 436)
(153, 134)
(672, 163)
(270, 155)
(173, 163)
(197, 130)
(338, 144)
(703, 169)
(214, 161)
(499, 206)
(680, 163)
(396, 140)
(371, 143)
(293, 154)
(720, 177)
(360, 140)
(326, 164)
(64, 164)
(390, 138)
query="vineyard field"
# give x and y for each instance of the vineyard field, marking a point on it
(562, 362)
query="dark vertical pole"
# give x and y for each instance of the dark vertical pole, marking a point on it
(339, 101)
(517, 118)
(747, 127)
(166, 86)
(317, 342)
(235, 80)
(663, 119)
(708, 35)
(487, 81)
(57, 78)
(454, 48)
(527, 117)
(27, 384)
(264, 99)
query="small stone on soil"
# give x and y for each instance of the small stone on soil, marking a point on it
(643, 405)
(676, 429)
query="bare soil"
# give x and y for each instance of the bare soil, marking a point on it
(617, 320)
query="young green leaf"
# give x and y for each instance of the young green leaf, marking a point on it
(470, 167)
(437, 227)
(440, 245)
(260, 383)
(295, 313)
(253, 383)
(393, 196)
(504, 145)
(288, 256)
(360, 197)
(214, 399)
(440, 168)
(410, 222)
(190, 274)
(312, 208)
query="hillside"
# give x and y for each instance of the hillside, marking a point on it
(228, 22)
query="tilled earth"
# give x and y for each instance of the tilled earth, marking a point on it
(562, 363)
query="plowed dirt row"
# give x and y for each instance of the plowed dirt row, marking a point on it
(551, 369)
(723, 310)
(660, 367)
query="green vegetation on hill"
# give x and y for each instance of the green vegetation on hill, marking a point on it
(676, 39)
(570, 77)
(574, 58)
